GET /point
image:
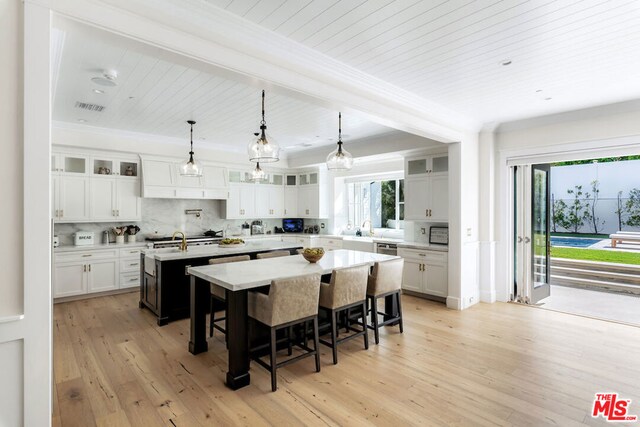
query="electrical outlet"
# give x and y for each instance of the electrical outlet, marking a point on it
(468, 232)
(423, 230)
(322, 225)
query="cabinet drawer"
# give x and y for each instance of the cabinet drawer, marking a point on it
(129, 280)
(131, 253)
(86, 256)
(130, 265)
(424, 255)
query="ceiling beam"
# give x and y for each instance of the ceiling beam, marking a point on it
(233, 45)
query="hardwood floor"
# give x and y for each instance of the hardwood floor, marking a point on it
(493, 364)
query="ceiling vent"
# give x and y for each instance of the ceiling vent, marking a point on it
(89, 107)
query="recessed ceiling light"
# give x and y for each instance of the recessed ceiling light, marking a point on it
(307, 144)
(82, 120)
(539, 91)
(548, 98)
(108, 78)
(132, 97)
(505, 62)
(98, 91)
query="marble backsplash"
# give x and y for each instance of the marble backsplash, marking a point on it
(164, 216)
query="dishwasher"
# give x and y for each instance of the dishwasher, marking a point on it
(387, 248)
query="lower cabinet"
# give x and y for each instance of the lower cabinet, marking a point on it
(91, 271)
(329, 243)
(425, 271)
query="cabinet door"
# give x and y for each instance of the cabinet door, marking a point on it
(248, 201)
(69, 279)
(71, 164)
(233, 202)
(262, 206)
(439, 165)
(103, 276)
(305, 201)
(412, 275)
(190, 181)
(103, 199)
(435, 279)
(416, 199)
(73, 199)
(276, 201)
(290, 202)
(128, 202)
(55, 191)
(158, 172)
(439, 198)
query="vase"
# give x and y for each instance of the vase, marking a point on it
(119, 239)
(131, 238)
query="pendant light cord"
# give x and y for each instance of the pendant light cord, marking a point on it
(191, 152)
(263, 122)
(340, 132)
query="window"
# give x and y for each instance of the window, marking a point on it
(381, 202)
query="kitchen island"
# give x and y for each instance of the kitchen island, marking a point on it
(237, 278)
(164, 281)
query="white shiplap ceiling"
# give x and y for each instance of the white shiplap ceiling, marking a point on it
(158, 91)
(564, 54)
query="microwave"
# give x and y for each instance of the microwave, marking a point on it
(293, 225)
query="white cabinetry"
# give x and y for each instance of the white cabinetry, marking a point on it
(425, 271)
(161, 179)
(290, 197)
(427, 189)
(329, 243)
(70, 198)
(102, 275)
(312, 195)
(69, 279)
(241, 202)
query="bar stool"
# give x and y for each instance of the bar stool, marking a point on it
(219, 294)
(289, 302)
(347, 290)
(385, 280)
(272, 254)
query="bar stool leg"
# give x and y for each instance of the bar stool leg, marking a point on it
(374, 318)
(364, 325)
(399, 297)
(316, 341)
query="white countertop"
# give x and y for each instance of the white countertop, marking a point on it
(424, 245)
(73, 248)
(251, 274)
(214, 250)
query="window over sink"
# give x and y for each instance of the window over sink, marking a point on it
(379, 201)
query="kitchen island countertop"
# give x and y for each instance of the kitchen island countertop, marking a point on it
(170, 254)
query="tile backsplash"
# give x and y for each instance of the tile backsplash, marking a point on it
(164, 216)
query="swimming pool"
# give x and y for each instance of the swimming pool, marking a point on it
(573, 242)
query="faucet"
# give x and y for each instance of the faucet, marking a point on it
(370, 226)
(183, 244)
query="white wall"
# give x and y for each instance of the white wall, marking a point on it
(612, 177)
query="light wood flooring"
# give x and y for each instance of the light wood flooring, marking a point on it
(493, 364)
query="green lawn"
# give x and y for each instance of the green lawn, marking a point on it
(596, 255)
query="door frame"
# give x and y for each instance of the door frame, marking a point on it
(504, 218)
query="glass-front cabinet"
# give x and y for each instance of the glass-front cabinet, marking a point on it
(69, 164)
(428, 165)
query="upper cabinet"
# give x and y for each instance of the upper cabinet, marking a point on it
(161, 179)
(95, 188)
(428, 165)
(427, 188)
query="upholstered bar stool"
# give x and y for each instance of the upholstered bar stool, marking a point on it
(385, 280)
(290, 302)
(346, 290)
(219, 294)
(273, 254)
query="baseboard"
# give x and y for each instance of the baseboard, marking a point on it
(488, 295)
(96, 294)
(454, 303)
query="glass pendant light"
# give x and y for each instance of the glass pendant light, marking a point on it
(258, 175)
(191, 167)
(263, 149)
(339, 159)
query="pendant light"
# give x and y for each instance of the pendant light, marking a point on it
(191, 167)
(257, 175)
(339, 159)
(263, 149)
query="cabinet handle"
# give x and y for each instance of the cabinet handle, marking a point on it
(133, 279)
(133, 252)
(84, 268)
(56, 215)
(61, 213)
(426, 212)
(133, 265)
(422, 254)
(429, 212)
(424, 267)
(89, 267)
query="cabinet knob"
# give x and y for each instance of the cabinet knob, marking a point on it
(61, 213)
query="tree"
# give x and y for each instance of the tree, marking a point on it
(620, 211)
(578, 209)
(633, 208)
(559, 214)
(595, 220)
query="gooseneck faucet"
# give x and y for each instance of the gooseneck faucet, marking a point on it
(183, 244)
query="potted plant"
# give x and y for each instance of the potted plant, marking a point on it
(132, 230)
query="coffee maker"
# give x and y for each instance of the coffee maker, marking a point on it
(257, 227)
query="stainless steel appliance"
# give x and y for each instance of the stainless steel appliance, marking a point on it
(387, 248)
(166, 242)
(257, 227)
(439, 235)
